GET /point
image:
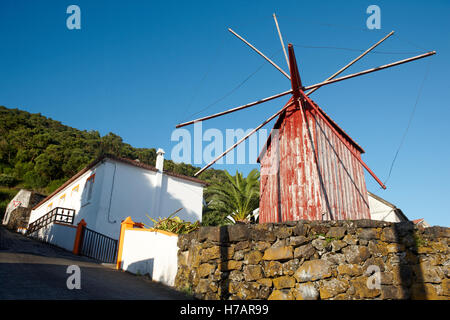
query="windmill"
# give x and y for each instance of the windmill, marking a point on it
(310, 168)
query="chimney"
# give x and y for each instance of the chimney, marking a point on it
(160, 160)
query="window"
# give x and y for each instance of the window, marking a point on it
(62, 199)
(89, 186)
(75, 189)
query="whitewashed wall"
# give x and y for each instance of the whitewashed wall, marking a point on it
(131, 191)
(153, 253)
(121, 190)
(381, 211)
(22, 198)
(58, 235)
(76, 200)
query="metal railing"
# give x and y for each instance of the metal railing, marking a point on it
(98, 246)
(62, 215)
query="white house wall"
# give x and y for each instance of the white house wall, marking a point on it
(57, 234)
(125, 192)
(76, 199)
(381, 211)
(178, 193)
(152, 253)
(132, 191)
(121, 190)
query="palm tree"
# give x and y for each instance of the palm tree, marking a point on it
(236, 197)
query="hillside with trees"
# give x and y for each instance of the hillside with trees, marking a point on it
(40, 154)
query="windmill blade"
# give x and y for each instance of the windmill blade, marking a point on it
(370, 70)
(234, 109)
(352, 62)
(243, 139)
(340, 137)
(260, 53)
(286, 92)
(281, 39)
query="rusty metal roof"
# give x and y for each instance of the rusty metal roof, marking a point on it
(335, 125)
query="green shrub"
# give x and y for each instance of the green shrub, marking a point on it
(7, 180)
(174, 224)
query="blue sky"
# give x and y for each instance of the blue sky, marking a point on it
(137, 68)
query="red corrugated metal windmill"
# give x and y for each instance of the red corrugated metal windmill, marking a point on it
(310, 168)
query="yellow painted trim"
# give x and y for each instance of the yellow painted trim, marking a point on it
(127, 223)
(63, 196)
(77, 242)
(155, 230)
(76, 187)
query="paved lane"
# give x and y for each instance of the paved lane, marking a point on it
(30, 269)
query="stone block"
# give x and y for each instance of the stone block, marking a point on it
(230, 265)
(332, 287)
(367, 234)
(238, 232)
(297, 241)
(362, 290)
(279, 253)
(253, 272)
(253, 257)
(356, 254)
(281, 295)
(305, 251)
(389, 235)
(305, 291)
(336, 232)
(350, 269)
(273, 268)
(284, 282)
(205, 270)
(313, 270)
(283, 232)
(290, 267)
(265, 282)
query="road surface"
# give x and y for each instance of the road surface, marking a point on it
(30, 269)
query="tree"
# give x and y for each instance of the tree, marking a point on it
(237, 197)
(39, 153)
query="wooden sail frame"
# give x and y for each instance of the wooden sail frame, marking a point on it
(298, 91)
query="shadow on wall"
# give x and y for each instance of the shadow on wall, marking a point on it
(84, 207)
(143, 267)
(406, 264)
(175, 203)
(224, 278)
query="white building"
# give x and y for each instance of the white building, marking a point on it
(421, 223)
(111, 189)
(383, 210)
(18, 210)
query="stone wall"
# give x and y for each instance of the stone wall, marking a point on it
(19, 209)
(19, 218)
(316, 260)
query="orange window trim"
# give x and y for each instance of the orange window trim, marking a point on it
(91, 177)
(76, 188)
